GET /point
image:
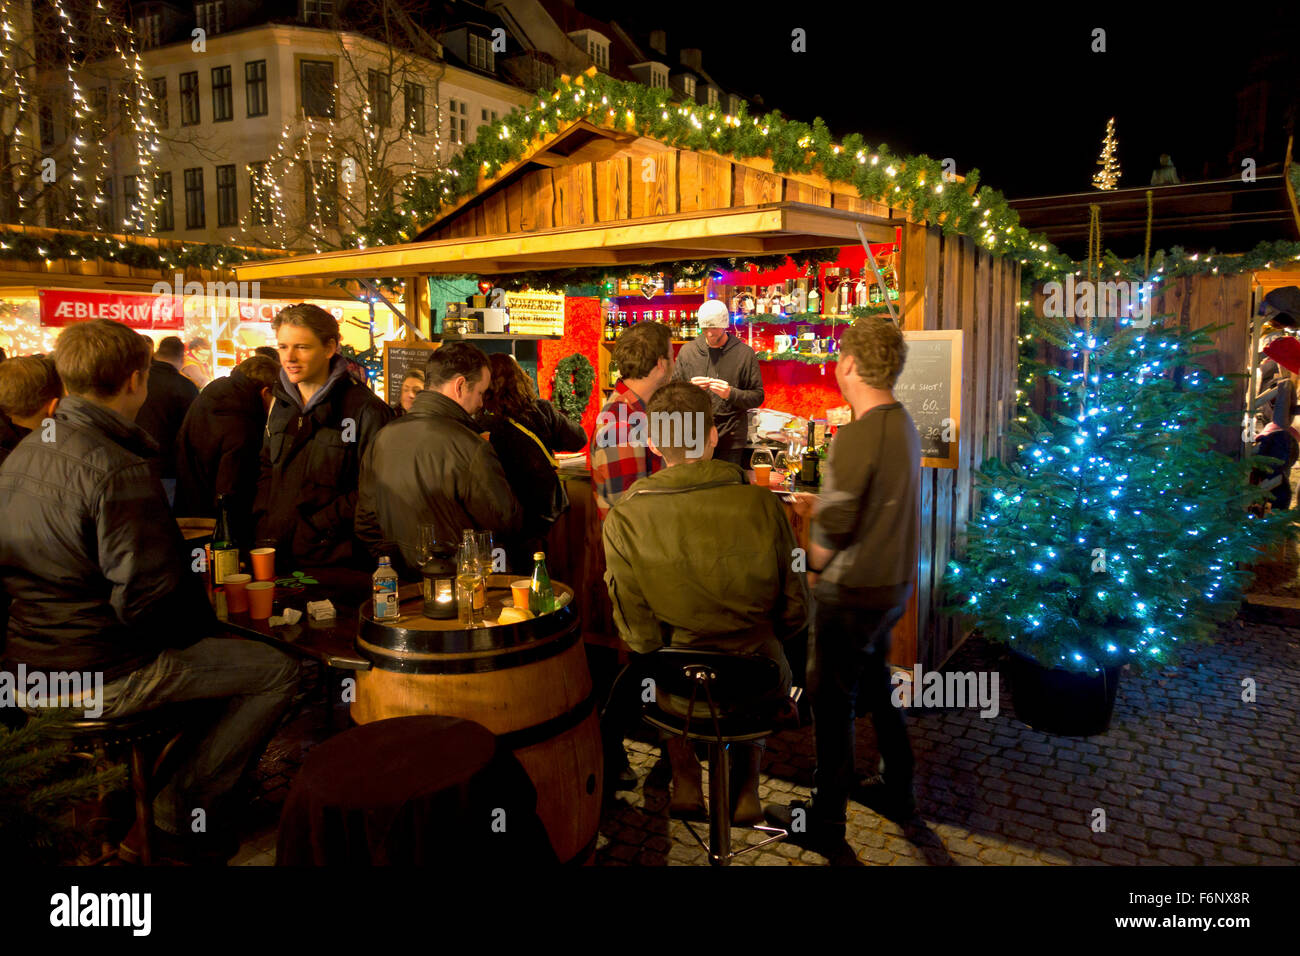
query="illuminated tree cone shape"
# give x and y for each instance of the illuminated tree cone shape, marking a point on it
(1117, 534)
(1108, 176)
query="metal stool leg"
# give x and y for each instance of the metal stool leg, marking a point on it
(719, 803)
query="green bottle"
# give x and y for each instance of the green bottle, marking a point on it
(225, 552)
(541, 598)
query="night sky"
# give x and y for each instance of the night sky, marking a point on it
(1020, 96)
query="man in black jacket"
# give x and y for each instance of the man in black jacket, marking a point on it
(727, 369)
(170, 396)
(320, 424)
(102, 583)
(432, 466)
(219, 448)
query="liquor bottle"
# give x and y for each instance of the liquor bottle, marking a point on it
(814, 301)
(611, 332)
(541, 598)
(385, 585)
(674, 327)
(659, 316)
(225, 552)
(621, 325)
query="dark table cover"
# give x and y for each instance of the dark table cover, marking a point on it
(412, 791)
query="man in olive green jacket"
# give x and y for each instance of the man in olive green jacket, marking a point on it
(696, 557)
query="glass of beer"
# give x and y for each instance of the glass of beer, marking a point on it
(761, 462)
(470, 589)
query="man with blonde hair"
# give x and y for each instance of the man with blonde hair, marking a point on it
(29, 392)
(864, 549)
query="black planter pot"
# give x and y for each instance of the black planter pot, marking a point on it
(1062, 702)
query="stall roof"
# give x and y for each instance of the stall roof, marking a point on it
(580, 198)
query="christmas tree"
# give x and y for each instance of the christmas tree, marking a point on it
(1108, 176)
(1117, 533)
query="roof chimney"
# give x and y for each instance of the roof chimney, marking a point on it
(691, 58)
(659, 42)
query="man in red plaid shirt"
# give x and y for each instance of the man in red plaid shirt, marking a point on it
(620, 452)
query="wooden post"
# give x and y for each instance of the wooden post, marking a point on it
(417, 304)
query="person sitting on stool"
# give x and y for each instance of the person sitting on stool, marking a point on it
(696, 557)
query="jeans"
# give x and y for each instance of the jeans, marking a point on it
(257, 683)
(850, 656)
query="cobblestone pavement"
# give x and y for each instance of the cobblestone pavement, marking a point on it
(1187, 774)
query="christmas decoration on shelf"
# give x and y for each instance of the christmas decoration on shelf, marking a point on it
(1108, 176)
(801, 357)
(52, 245)
(1117, 534)
(574, 377)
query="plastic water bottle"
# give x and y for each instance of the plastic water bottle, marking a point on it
(385, 582)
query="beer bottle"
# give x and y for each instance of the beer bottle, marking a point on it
(541, 598)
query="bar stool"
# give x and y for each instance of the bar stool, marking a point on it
(129, 739)
(719, 699)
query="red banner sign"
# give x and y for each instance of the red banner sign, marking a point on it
(60, 308)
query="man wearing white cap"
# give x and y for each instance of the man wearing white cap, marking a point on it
(727, 368)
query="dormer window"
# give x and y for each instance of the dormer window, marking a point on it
(688, 84)
(595, 45)
(712, 95)
(148, 28)
(210, 16)
(659, 77)
(317, 11)
(480, 53)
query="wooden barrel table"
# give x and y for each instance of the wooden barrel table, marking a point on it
(526, 682)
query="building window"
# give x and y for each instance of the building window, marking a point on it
(658, 78)
(599, 53)
(415, 107)
(317, 77)
(322, 193)
(712, 94)
(149, 29)
(190, 98)
(489, 116)
(99, 107)
(194, 218)
(164, 217)
(459, 128)
(688, 85)
(223, 100)
(260, 202)
(158, 90)
(545, 75)
(255, 87)
(210, 16)
(227, 197)
(733, 104)
(317, 11)
(480, 53)
(130, 203)
(381, 97)
(107, 205)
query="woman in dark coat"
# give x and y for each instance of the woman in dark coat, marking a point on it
(524, 430)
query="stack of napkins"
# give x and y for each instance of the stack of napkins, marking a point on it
(320, 610)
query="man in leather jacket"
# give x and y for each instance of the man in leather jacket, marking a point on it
(433, 466)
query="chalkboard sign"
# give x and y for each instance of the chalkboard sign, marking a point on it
(930, 389)
(399, 358)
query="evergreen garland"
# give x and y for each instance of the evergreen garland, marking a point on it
(571, 388)
(39, 782)
(138, 255)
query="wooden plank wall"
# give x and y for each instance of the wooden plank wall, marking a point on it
(1198, 302)
(950, 284)
(635, 184)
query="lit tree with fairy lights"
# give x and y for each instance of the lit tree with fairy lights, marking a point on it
(1108, 176)
(1117, 535)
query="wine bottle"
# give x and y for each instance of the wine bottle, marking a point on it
(225, 552)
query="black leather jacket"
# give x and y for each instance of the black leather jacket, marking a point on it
(307, 491)
(431, 466)
(98, 573)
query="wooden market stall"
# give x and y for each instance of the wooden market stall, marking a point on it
(590, 196)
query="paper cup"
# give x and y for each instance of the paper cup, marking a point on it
(237, 593)
(261, 595)
(519, 591)
(762, 475)
(263, 564)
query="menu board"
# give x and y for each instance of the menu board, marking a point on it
(930, 389)
(399, 358)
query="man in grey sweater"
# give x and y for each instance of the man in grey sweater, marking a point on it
(864, 548)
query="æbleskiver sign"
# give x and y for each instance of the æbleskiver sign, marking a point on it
(59, 308)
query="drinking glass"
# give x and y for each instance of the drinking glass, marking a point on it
(483, 541)
(470, 591)
(426, 539)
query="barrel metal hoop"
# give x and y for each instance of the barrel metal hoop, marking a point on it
(550, 728)
(384, 659)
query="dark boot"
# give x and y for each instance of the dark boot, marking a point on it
(688, 780)
(746, 808)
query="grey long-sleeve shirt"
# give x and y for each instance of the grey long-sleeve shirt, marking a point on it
(737, 365)
(868, 512)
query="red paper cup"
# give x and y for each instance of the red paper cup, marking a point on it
(261, 594)
(237, 593)
(263, 564)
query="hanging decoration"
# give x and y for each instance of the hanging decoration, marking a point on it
(574, 378)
